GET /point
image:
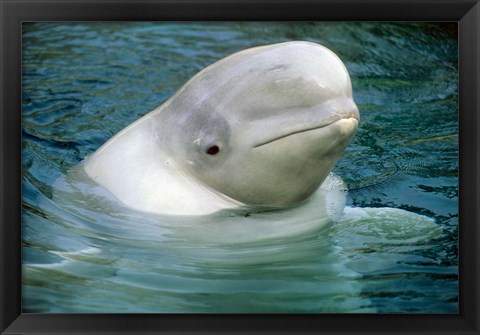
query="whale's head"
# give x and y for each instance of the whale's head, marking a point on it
(264, 126)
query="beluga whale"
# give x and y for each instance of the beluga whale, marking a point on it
(263, 126)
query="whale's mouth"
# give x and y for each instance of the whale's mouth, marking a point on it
(300, 131)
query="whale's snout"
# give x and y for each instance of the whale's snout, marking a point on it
(353, 113)
(285, 125)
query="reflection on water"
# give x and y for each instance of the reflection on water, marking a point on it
(84, 82)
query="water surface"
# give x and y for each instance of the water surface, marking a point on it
(84, 82)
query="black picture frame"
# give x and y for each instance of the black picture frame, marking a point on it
(14, 12)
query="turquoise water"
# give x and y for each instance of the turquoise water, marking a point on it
(83, 82)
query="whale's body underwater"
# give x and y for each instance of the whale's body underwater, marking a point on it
(263, 126)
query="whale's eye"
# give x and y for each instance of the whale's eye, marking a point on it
(213, 150)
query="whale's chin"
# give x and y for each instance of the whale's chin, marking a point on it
(287, 170)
